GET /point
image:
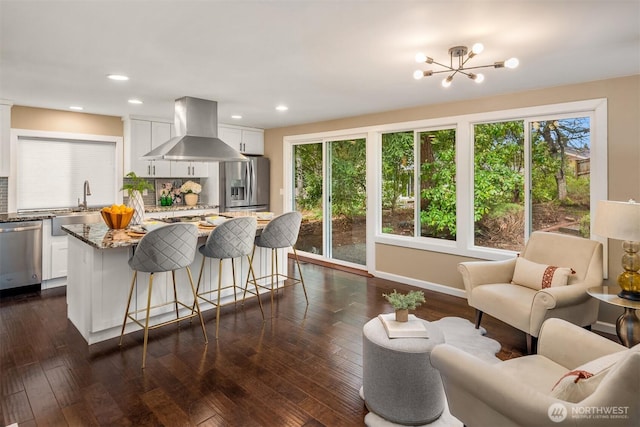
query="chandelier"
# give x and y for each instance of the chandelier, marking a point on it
(461, 54)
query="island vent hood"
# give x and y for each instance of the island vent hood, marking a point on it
(196, 122)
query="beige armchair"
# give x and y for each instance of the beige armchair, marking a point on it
(489, 288)
(518, 392)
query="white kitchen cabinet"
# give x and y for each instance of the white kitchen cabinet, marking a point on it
(5, 135)
(245, 140)
(141, 136)
(189, 169)
(54, 255)
(252, 142)
(59, 256)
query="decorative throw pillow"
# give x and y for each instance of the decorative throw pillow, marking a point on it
(581, 382)
(539, 276)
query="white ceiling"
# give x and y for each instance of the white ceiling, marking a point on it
(324, 59)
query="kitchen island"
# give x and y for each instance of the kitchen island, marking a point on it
(99, 278)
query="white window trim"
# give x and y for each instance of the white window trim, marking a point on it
(463, 246)
(17, 133)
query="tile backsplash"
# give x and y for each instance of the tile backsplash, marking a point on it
(4, 194)
(153, 197)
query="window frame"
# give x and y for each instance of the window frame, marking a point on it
(463, 124)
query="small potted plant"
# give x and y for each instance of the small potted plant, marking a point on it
(191, 190)
(402, 303)
(135, 186)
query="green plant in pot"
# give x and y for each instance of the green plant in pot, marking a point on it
(135, 185)
(402, 303)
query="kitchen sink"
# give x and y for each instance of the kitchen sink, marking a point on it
(73, 217)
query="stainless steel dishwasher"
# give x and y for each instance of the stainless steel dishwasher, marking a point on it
(20, 254)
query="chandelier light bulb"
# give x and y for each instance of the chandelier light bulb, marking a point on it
(458, 58)
(511, 63)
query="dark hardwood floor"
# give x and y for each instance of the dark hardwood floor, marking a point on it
(301, 368)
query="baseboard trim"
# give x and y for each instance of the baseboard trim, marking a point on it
(423, 284)
(606, 327)
(329, 264)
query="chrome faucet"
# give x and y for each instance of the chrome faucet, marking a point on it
(86, 191)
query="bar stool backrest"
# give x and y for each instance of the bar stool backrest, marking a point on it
(167, 248)
(281, 232)
(231, 239)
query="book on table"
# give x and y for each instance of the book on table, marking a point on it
(414, 328)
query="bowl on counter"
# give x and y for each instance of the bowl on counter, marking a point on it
(117, 217)
(215, 220)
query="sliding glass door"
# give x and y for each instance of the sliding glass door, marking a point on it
(330, 183)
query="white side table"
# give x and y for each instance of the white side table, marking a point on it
(628, 324)
(399, 383)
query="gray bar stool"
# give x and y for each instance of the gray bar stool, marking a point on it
(230, 240)
(281, 232)
(168, 248)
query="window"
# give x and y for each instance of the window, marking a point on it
(498, 193)
(437, 183)
(434, 212)
(558, 174)
(397, 196)
(479, 184)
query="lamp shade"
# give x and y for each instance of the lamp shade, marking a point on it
(618, 220)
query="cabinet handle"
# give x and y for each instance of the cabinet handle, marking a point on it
(148, 169)
(154, 169)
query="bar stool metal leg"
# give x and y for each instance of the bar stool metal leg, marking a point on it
(126, 311)
(146, 322)
(197, 306)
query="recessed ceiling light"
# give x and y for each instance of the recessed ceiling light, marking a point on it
(76, 107)
(282, 108)
(135, 101)
(236, 116)
(118, 77)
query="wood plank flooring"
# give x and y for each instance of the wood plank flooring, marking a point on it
(303, 367)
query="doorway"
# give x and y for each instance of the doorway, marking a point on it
(330, 182)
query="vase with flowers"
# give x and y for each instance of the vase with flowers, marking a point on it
(166, 197)
(191, 190)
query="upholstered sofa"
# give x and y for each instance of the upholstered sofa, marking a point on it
(514, 290)
(540, 389)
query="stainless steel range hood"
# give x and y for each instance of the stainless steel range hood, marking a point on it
(196, 122)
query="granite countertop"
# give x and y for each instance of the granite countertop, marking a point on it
(102, 237)
(48, 214)
(21, 217)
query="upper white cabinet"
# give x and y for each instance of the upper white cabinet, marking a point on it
(5, 135)
(245, 140)
(141, 136)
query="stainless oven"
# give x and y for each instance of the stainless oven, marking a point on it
(20, 254)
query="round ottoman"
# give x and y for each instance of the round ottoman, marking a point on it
(399, 383)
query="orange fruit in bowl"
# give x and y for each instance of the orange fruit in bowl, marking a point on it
(117, 216)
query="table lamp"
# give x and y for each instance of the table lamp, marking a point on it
(621, 221)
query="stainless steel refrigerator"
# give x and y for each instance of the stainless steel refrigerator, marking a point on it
(244, 186)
